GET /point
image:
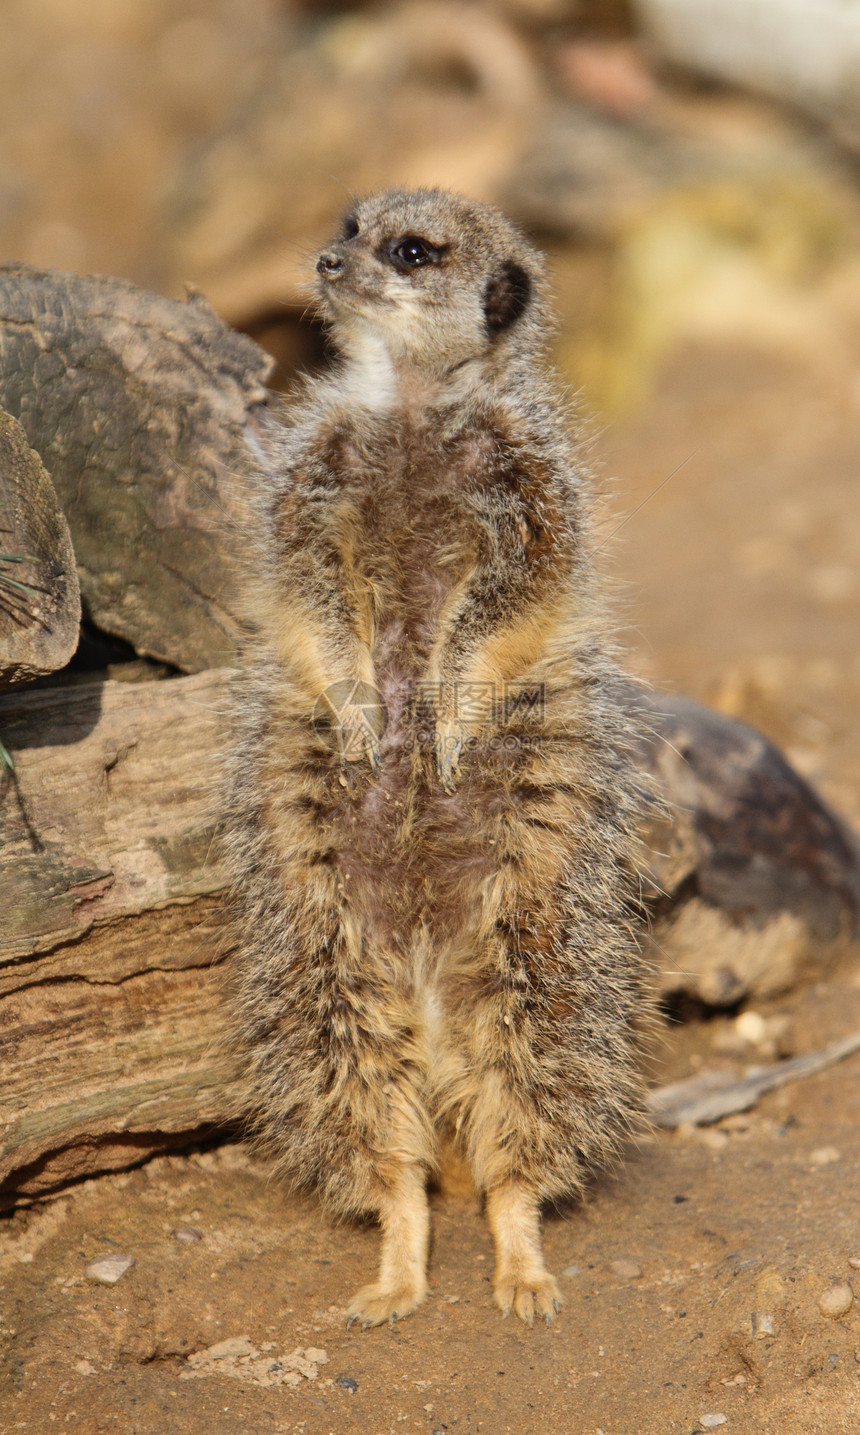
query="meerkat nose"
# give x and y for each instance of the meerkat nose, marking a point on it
(330, 264)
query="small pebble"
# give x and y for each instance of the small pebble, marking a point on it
(752, 1027)
(234, 1345)
(187, 1234)
(107, 1270)
(710, 1422)
(346, 1382)
(824, 1156)
(627, 1270)
(712, 1139)
(854, 1262)
(572, 1271)
(837, 1300)
(761, 1322)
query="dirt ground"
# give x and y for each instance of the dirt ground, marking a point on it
(759, 1218)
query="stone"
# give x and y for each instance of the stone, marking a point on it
(107, 1270)
(836, 1300)
(627, 1270)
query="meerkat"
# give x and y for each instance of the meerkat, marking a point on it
(432, 807)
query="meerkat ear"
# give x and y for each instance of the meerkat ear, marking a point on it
(506, 296)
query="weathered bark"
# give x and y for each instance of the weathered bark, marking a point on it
(755, 878)
(115, 934)
(40, 601)
(109, 815)
(137, 406)
(113, 927)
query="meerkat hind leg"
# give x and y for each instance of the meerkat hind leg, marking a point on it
(404, 1214)
(521, 1281)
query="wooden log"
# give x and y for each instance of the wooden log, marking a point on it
(40, 601)
(114, 927)
(138, 407)
(115, 931)
(755, 880)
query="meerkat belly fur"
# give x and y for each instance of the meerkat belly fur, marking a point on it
(432, 805)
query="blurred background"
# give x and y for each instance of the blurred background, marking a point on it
(691, 168)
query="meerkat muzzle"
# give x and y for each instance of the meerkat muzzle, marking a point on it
(330, 265)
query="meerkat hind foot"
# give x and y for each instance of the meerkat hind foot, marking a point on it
(522, 1281)
(380, 1302)
(402, 1282)
(528, 1295)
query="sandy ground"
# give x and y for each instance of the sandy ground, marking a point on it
(740, 583)
(757, 1217)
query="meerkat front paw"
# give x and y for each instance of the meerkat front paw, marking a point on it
(377, 1303)
(528, 1295)
(349, 716)
(357, 735)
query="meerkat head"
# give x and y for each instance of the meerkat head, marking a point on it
(433, 281)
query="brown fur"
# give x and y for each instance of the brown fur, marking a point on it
(436, 894)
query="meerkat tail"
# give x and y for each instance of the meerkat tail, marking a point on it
(521, 1281)
(404, 1214)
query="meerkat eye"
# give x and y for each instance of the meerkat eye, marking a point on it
(350, 227)
(412, 252)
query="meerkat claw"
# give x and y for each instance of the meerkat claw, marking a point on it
(379, 1304)
(448, 761)
(528, 1298)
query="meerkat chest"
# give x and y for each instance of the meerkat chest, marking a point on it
(418, 534)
